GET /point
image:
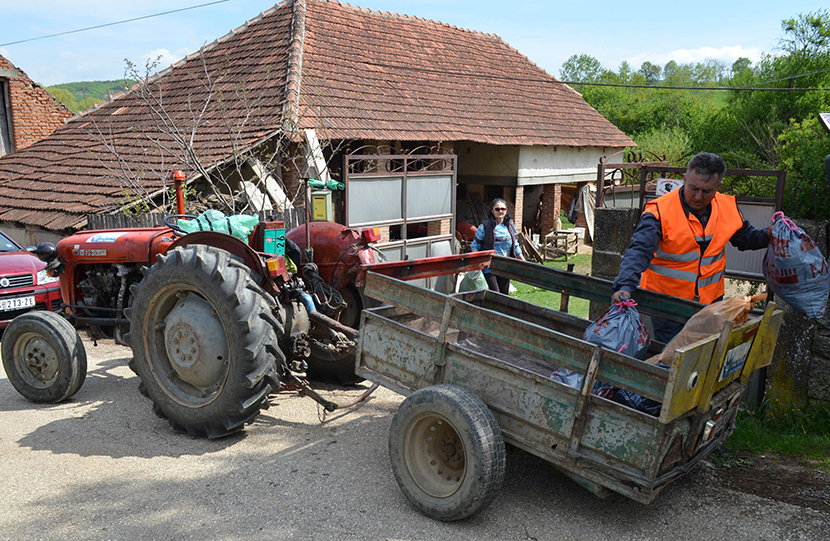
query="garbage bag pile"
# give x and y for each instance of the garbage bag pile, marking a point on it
(622, 330)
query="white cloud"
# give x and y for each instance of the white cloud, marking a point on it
(726, 54)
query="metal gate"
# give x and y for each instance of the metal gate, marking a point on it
(617, 186)
(413, 194)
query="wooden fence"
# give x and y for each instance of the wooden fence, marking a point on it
(292, 218)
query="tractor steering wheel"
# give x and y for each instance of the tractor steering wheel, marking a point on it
(172, 221)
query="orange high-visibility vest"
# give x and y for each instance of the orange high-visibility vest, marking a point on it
(678, 267)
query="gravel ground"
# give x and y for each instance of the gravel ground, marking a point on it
(102, 466)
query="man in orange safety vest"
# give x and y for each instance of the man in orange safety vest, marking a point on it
(679, 245)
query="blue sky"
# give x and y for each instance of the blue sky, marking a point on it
(548, 33)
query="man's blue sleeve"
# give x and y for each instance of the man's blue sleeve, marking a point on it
(750, 238)
(638, 255)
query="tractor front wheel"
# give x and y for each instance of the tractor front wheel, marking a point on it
(44, 358)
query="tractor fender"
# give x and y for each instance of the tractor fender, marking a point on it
(225, 242)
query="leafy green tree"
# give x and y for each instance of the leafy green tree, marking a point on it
(83, 95)
(805, 144)
(65, 97)
(581, 68)
(741, 67)
(651, 72)
(808, 34)
(672, 142)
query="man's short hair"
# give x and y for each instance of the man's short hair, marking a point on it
(707, 164)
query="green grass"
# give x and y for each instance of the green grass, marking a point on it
(784, 429)
(549, 299)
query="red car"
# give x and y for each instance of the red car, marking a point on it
(24, 284)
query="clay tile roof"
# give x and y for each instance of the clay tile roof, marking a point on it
(348, 72)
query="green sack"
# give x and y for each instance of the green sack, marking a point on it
(473, 281)
(238, 225)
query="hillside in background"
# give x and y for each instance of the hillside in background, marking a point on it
(84, 95)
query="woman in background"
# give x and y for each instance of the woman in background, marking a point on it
(498, 233)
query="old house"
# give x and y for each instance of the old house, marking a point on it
(363, 81)
(28, 113)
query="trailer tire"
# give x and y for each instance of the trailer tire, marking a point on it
(447, 452)
(204, 337)
(44, 357)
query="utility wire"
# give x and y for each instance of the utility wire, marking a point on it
(572, 83)
(113, 23)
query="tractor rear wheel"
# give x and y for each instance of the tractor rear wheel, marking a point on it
(336, 364)
(204, 337)
(44, 358)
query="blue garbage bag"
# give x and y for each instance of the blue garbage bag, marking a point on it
(795, 269)
(620, 329)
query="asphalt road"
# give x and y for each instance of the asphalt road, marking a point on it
(102, 466)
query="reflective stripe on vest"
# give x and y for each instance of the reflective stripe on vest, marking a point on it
(678, 267)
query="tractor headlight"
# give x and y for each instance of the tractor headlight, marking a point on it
(44, 278)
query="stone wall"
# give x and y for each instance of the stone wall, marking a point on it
(800, 370)
(801, 364)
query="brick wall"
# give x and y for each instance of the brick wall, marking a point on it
(551, 206)
(35, 113)
(438, 227)
(518, 208)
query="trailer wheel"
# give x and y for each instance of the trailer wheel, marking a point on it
(44, 357)
(204, 337)
(447, 452)
(336, 366)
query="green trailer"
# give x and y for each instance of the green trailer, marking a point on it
(477, 370)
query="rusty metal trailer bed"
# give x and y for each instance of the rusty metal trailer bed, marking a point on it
(477, 371)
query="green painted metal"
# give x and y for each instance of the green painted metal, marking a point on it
(505, 350)
(591, 288)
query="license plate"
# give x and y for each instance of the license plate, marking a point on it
(17, 303)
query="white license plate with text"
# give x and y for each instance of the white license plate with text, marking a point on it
(17, 303)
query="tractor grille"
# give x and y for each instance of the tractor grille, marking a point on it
(57, 305)
(21, 280)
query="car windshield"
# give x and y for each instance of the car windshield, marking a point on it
(8, 245)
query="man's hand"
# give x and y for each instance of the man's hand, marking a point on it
(620, 296)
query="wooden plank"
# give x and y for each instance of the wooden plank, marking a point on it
(688, 369)
(714, 368)
(592, 288)
(414, 298)
(761, 353)
(530, 250)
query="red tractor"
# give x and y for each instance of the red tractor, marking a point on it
(215, 325)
